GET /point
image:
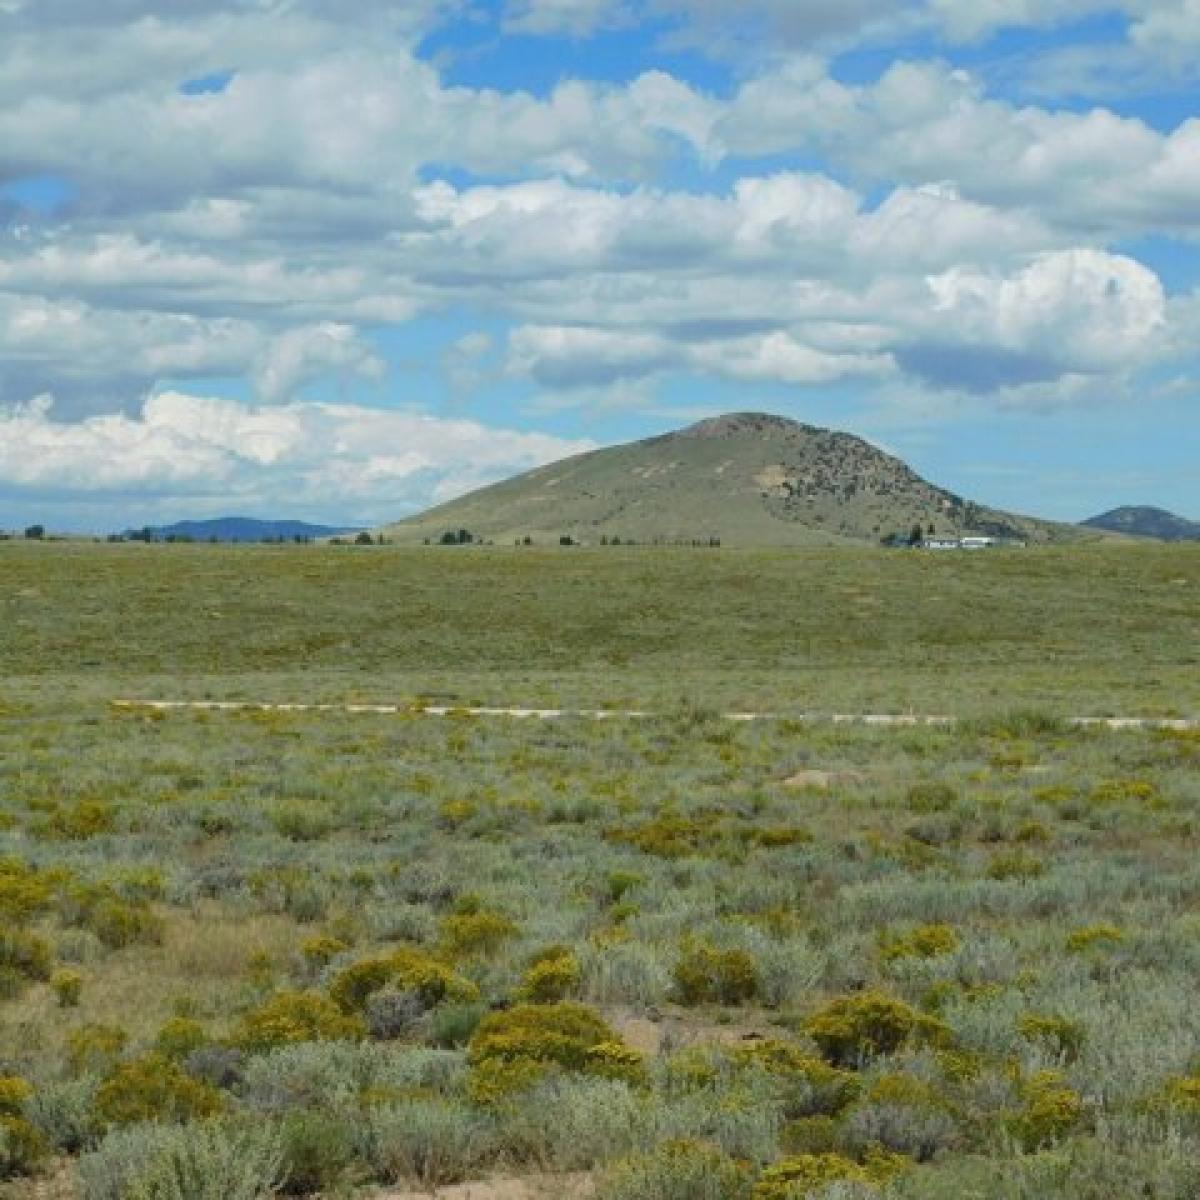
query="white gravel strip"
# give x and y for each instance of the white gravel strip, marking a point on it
(880, 720)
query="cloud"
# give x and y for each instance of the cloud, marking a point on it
(1064, 318)
(576, 18)
(302, 355)
(274, 229)
(209, 456)
(1094, 173)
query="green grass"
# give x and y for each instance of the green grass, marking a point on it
(1015, 897)
(1087, 630)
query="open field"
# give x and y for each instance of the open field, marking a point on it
(1093, 630)
(679, 958)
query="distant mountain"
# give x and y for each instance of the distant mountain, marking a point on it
(241, 529)
(746, 478)
(1144, 521)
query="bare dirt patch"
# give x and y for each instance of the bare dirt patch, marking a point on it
(822, 781)
(546, 1187)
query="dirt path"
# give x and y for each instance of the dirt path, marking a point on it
(876, 720)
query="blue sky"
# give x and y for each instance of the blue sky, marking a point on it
(257, 257)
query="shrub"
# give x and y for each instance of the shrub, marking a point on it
(410, 971)
(464, 935)
(24, 892)
(454, 1024)
(318, 1151)
(428, 1142)
(1182, 1095)
(806, 1174)
(92, 1049)
(290, 1017)
(179, 1038)
(1090, 937)
(22, 1147)
(118, 923)
(552, 976)
(63, 1114)
(903, 1114)
(221, 1066)
(206, 1161)
(931, 796)
(1063, 1036)
(1015, 865)
(391, 1014)
(705, 974)
(925, 941)
(854, 1029)
(299, 821)
(511, 1050)
(806, 1085)
(573, 1123)
(810, 1174)
(154, 1088)
(668, 836)
(1051, 1110)
(15, 1093)
(83, 820)
(320, 950)
(811, 1135)
(25, 954)
(67, 986)
(682, 1170)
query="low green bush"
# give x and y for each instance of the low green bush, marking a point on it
(202, 1161)
(680, 1170)
(318, 1151)
(429, 1143)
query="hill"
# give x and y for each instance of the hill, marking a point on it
(240, 529)
(746, 478)
(1145, 521)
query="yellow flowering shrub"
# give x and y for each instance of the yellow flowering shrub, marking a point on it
(853, 1029)
(565, 1036)
(92, 1049)
(291, 1017)
(552, 976)
(154, 1088)
(479, 933)
(705, 974)
(925, 941)
(811, 1086)
(406, 969)
(1051, 1110)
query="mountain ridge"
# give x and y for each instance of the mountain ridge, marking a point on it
(744, 478)
(1144, 520)
(240, 529)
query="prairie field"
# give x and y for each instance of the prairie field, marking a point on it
(257, 953)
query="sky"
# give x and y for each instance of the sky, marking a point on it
(340, 262)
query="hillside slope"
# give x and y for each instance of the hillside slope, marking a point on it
(746, 478)
(1146, 521)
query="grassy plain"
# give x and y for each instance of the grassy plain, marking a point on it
(690, 959)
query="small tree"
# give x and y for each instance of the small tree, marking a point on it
(35, 533)
(364, 539)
